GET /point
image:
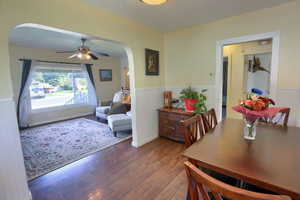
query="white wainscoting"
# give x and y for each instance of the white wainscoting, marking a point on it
(13, 184)
(148, 100)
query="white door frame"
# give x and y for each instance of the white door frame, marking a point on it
(275, 36)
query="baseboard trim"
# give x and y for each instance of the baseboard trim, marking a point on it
(145, 141)
(134, 144)
(61, 119)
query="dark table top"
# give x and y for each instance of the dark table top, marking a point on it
(272, 161)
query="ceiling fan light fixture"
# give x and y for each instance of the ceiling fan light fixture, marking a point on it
(87, 56)
(79, 56)
(84, 52)
(154, 2)
(83, 56)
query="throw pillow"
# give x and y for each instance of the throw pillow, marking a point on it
(117, 108)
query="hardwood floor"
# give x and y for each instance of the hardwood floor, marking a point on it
(152, 172)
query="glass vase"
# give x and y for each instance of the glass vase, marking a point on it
(250, 129)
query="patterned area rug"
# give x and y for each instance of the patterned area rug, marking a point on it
(53, 146)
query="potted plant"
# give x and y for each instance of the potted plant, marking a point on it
(201, 103)
(190, 98)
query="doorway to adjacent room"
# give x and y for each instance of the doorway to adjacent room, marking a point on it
(244, 64)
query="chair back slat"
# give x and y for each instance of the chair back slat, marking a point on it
(217, 196)
(282, 118)
(198, 181)
(209, 120)
(193, 129)
(203, 191)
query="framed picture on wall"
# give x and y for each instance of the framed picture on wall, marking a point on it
(105, 74)
(152, 62)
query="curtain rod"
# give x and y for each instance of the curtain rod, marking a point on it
(45, 61)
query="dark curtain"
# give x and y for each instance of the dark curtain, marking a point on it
(89, 70)
(25, 73)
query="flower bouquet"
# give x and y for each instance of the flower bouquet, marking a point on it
(253, 108)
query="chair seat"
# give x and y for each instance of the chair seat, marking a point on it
(255, 188)
(221, 177)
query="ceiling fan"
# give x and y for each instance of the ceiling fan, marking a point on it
(84, 52)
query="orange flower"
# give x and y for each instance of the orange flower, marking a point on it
(259, 105)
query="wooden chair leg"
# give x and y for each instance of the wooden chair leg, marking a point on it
(192, 193)
(189, 192)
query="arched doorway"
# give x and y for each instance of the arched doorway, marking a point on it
(49, 41)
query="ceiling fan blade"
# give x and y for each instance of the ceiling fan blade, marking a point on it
(100, 53)
(66, 51)
(104, 54)
(93, 56)
(72, 56)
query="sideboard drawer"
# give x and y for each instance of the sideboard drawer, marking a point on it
(169, 123)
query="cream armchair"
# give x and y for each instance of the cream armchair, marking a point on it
(102, 111)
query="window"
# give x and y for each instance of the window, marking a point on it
(53, 87)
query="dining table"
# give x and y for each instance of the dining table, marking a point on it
(271, 161)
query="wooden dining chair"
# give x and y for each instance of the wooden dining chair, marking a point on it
(209, 120)
(193, 129)
(203, 186)
(282, 118)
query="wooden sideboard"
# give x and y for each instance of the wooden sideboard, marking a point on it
(169, 123)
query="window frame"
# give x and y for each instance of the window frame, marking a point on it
(52, 67)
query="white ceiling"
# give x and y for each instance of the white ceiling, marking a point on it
(43, 37)
(177, 14)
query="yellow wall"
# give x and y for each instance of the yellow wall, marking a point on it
(77, 16)
(185, 53)
(187, 50)
(106, 89)
(190, 54)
